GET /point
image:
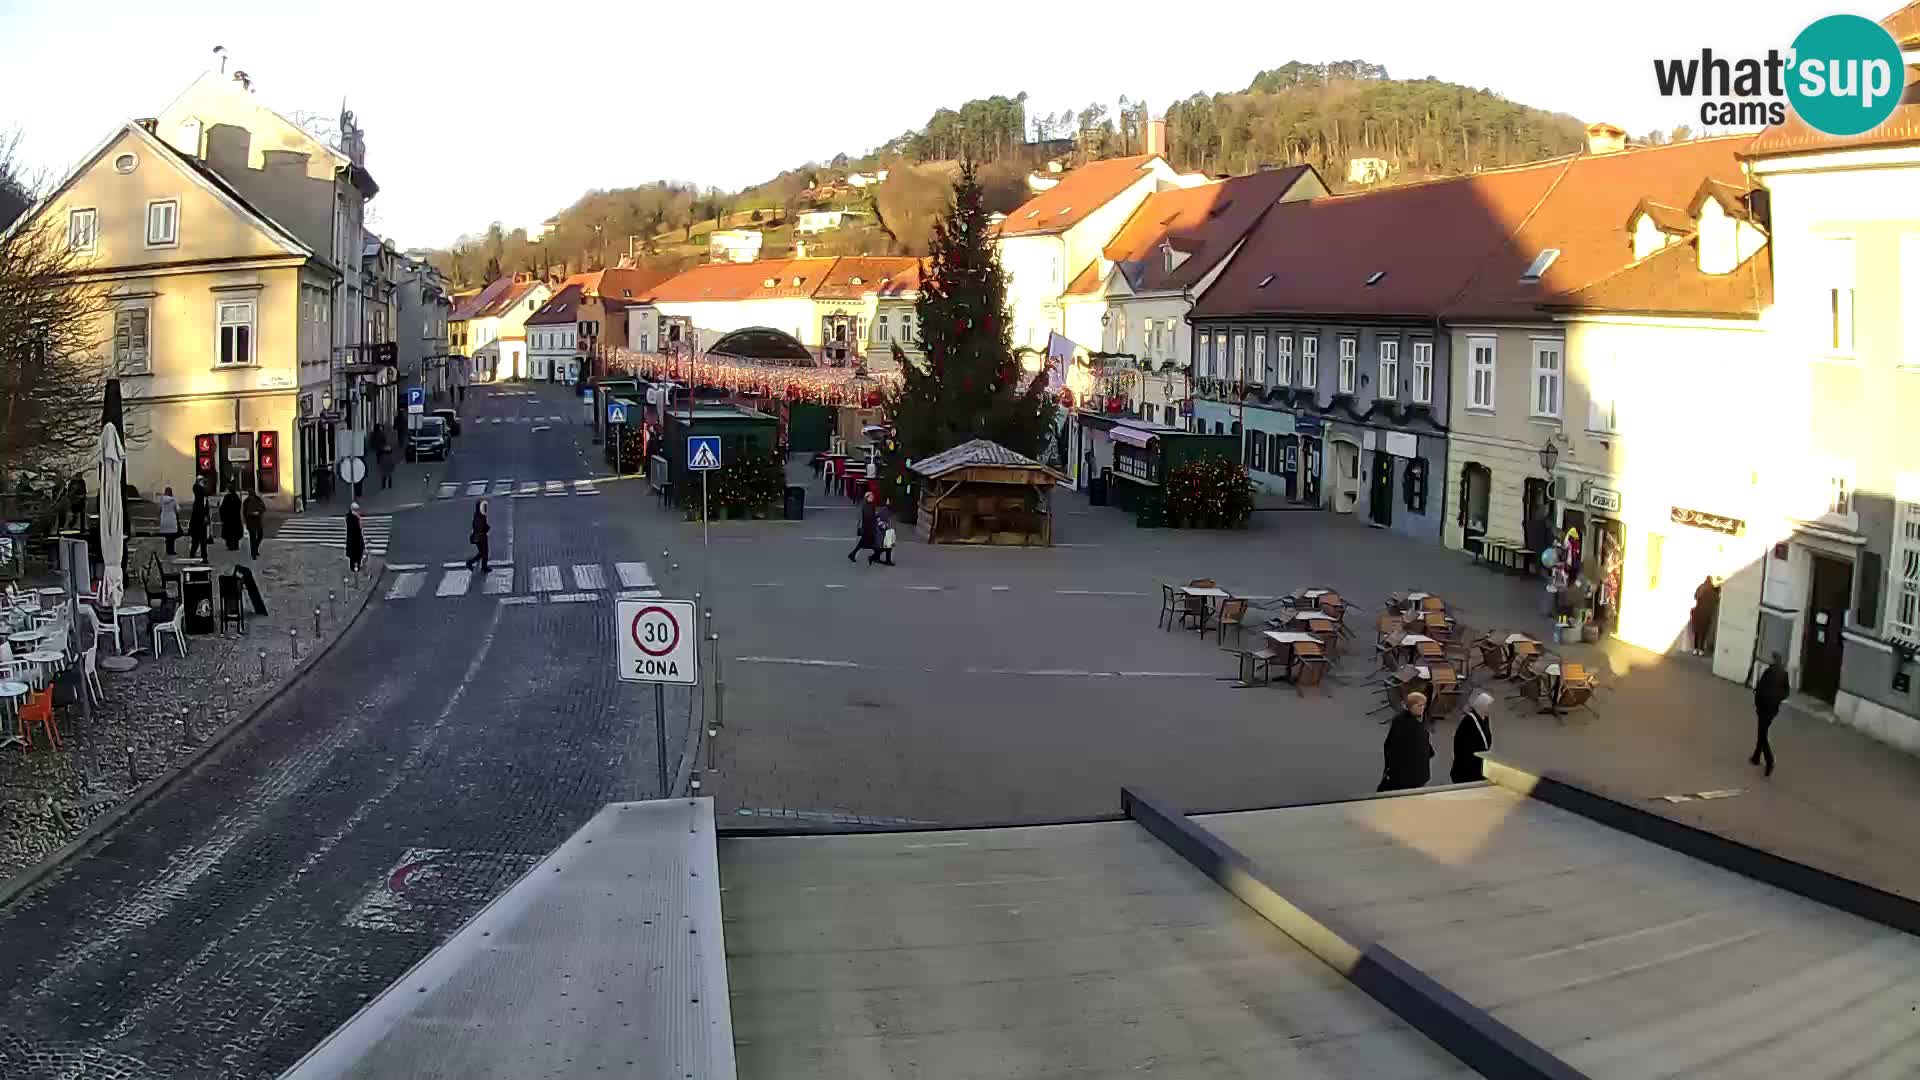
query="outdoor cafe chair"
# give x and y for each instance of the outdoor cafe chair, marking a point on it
(38, 709)
(1527, 674)
(1232, 613)
(1169, 607)
(1255, 660)
(1387, 649)
(1310, 664)
(175, 626)
(90, 674)
(1571, 689)
(1446, 688)
(1433, 603)
(1494, 655)
(109, 628)
(1438, 626)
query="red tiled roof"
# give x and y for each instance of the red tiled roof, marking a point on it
(1315, 256)
(1666, 218)
(839, 282)
(562, 309)
(1796, 136)
(479, 301)
(1205, 222)
(515, 292)
(1584, 216)
(1669, 282)
(626, 283)
(1079, 193)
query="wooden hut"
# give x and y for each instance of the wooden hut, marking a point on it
(983, 493)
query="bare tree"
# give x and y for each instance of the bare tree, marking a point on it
(56, 342)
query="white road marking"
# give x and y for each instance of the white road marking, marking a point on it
(800, 661)
(556, 487)
(499, 580)
(476, 487)
(836, 586)
(448, 491)
(540, 427)
(529, 487)
(1003, 588)
(396, 567)
(584, 487)
(573, 597)
(511, 600)
(546, 579)
(1037, 673)
(406, 586)
(633, 575)
(556, 419)
(588, 576)
(503, 487)
(1097, 592)
(925, 588)
(454, 583)
(766, 585)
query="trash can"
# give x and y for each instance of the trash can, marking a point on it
(196, 591)
(795, 506)
(1097, 489)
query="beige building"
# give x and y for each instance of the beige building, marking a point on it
(831, 306)
(214, 309)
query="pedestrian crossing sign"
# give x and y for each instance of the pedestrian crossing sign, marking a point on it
(703, 452)
(616, 414)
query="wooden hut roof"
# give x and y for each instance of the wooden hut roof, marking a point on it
(976, 452)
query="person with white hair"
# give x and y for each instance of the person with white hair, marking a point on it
(1472, 738)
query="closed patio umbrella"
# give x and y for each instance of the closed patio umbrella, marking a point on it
(113, 511)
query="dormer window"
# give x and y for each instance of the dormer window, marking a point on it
(797, 281)
(1539, 266)
(1374, 278)
(770, 283)
(1033, 213)
(1264, 282)
(1063, 211)
(857, 280)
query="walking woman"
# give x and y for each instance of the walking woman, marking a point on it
(356, 538)
(199, 525)
(1472, 738)
(1409, 748)
(883, 523)
(230, 528)
(478, 538)
(869, 530)
(169, 518)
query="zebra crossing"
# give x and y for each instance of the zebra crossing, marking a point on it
(573, 583)
(517, 420)
(332, 532)
(518, 489)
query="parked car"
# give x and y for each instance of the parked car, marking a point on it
(429, 440)
(451, 417)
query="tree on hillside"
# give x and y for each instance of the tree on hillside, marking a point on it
(494, 269)
(972, 386)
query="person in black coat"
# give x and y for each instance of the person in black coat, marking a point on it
(478, 538)
(869, 530)
(1472, 738)
(254, 510)
(1409, 747)
(356, 538)
(1769, 691)
(199, 525)
(230, 528)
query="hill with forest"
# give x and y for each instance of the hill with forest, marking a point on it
(1332, 116)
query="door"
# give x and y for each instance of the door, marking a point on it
(1290, 466)
(1476, 489)
(1380, 495)
(1346, 476)
(1826, 615)
(1311, 461)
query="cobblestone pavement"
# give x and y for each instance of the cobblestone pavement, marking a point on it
(159, 715)
(426, 762)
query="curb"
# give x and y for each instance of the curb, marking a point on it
(26, 880)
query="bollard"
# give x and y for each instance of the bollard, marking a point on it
(133, 767)
(263, 663)
(316, 622)
(293, 642)
(329, 603)
(186, 726)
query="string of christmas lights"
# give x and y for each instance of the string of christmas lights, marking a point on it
(737, 375)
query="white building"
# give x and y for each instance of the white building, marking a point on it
(734, 245)
(553, 338)
(811, 222)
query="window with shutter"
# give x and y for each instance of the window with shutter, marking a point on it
(130, 341)
(1866, 610)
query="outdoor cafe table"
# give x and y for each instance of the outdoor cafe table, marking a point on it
(1287, 639)
(27, 637)
(51, 594)
(125, 661)
(1206, 594)
(11, 694)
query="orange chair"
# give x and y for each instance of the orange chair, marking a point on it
(38, 709)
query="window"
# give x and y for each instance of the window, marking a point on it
(1349, 363)
(1414, 485)
(1239, 357)
(1480, 360)
(1539, 265)
(82, 230)
(1146, 339)
(1603, 411)
(1389, 387)
(906, 328)
(1260, 358)
(880, 329)
(1546, 378)
(1903, 575)
(1423, 372)
(1839, 499)
(163, 223)
(236, 333)
(130, 339)
(1206, 355)
(1310, 361)
(1283, 359)
(1836, 298)
(1257, 446)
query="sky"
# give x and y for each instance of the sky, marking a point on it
(481, 112)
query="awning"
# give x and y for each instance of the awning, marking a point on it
(1130, 436)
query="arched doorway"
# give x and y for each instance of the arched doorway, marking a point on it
(1346, 475)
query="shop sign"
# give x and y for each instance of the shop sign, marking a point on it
(329, 416)
(1308, 425)
(1402, 444)
(1700, 519)
(1604, 499)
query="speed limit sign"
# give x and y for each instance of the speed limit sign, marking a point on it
(659, 641)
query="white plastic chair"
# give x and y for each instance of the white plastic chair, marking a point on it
(175, 626)
(91, 673)
(110, 628)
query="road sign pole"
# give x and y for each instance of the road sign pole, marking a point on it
(660, 733)
(616, 453)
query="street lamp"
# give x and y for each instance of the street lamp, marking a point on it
(1549, 455)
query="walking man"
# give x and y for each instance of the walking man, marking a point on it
(383, 455)
(478, 538)
(254, 510)
(230, 527)
(869, 530)
(1769, 691)
(199, 524)
(1706, 612)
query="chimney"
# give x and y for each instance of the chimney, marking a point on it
(1604, 138)
(1157, 136)
(245, 80)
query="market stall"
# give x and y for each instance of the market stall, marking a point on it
(983, 493)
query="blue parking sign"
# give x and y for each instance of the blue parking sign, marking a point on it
(703, 453)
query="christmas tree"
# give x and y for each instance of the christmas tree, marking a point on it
(972, 386)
